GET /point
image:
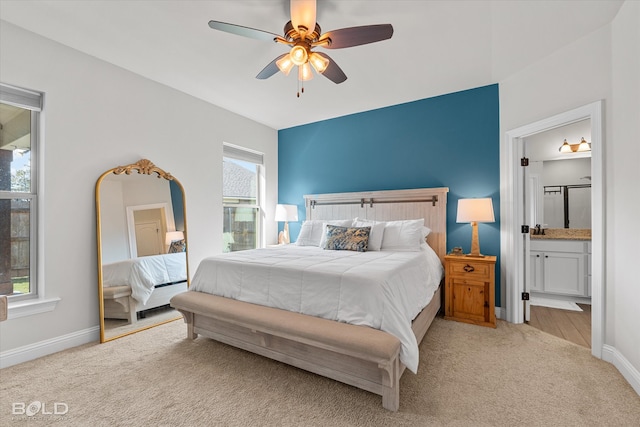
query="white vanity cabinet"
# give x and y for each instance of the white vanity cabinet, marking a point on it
(560, 267)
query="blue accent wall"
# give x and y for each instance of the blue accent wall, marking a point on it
(177, 204)
(446, 141)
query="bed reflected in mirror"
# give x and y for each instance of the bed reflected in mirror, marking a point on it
(142, 248)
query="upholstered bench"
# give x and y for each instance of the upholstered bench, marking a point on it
(120, 295)
(357, 355)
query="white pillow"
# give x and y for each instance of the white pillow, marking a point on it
(310, 233)
(403, 236)
(338, 222)
(425, 232)
(376, 233)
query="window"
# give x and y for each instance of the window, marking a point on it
(241, 169)
(19, 121)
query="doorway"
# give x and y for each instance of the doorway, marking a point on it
(514, 257)
(557, 197)
(147, 226)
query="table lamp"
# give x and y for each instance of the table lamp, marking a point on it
(286, 213)
(475, 211)
(172, 236)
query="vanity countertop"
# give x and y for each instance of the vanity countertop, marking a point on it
(563, 234)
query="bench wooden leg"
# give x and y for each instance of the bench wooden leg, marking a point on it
(188, 319)
(132, 316)
(391, 386)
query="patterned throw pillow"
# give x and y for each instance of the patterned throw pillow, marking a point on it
(177, 246)
(347, 238)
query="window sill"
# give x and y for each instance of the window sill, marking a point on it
(30, 307)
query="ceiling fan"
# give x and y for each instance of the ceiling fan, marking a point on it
(302, 33)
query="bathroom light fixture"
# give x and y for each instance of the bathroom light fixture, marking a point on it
(565, 148)
(475, 211)
(581, 147)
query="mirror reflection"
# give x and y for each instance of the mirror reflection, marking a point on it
(142, 247)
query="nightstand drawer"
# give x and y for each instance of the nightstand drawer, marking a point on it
(470, 268)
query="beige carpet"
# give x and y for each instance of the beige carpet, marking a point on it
(514, 375)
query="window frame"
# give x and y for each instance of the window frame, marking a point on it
(32, 101)
(257, 158)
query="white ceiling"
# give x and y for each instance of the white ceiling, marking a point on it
(437, 47)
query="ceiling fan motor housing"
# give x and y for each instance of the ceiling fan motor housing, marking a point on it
(293, 35)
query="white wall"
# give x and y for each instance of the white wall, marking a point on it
(113, 222)
(599, 66)
(623, 180)
(98, 116)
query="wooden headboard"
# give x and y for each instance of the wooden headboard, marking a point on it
(427, 203)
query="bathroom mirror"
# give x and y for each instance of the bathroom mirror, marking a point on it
(142, 248)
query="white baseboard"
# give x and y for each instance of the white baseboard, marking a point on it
(50, 346)
(628, 371)
(499, 313)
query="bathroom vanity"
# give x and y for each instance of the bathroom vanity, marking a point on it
(561, 262)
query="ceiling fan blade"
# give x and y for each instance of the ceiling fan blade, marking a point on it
(303, 13)
(356, 36)
(333, 72)
(243, 31)
(270, 69)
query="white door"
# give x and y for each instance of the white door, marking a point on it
(148, 238)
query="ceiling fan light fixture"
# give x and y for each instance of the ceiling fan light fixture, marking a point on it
(319, 62)
(303, 14)
(302, 34)
(285, 64)
(304, 72)
(299, 55)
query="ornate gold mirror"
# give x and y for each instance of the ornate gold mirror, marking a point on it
(142, 248)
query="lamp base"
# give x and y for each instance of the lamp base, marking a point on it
(475, 241)
(475, 255)
(283, 236)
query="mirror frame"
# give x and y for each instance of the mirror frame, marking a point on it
(143, 167)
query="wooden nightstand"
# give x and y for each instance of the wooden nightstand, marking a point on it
(470, 289)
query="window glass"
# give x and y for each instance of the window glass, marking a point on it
(241, 205)
(18, 137)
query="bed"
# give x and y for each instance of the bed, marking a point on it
(356, 317)
(135, 285)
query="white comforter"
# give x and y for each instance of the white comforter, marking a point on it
(383, 290)
(144, 273)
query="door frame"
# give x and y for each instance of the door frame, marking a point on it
(512, 215)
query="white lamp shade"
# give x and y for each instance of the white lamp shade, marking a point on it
(475, 210)
(303, 13)
(172, 236)
(286, 213)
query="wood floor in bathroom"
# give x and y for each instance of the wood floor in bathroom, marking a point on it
(574, 326)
